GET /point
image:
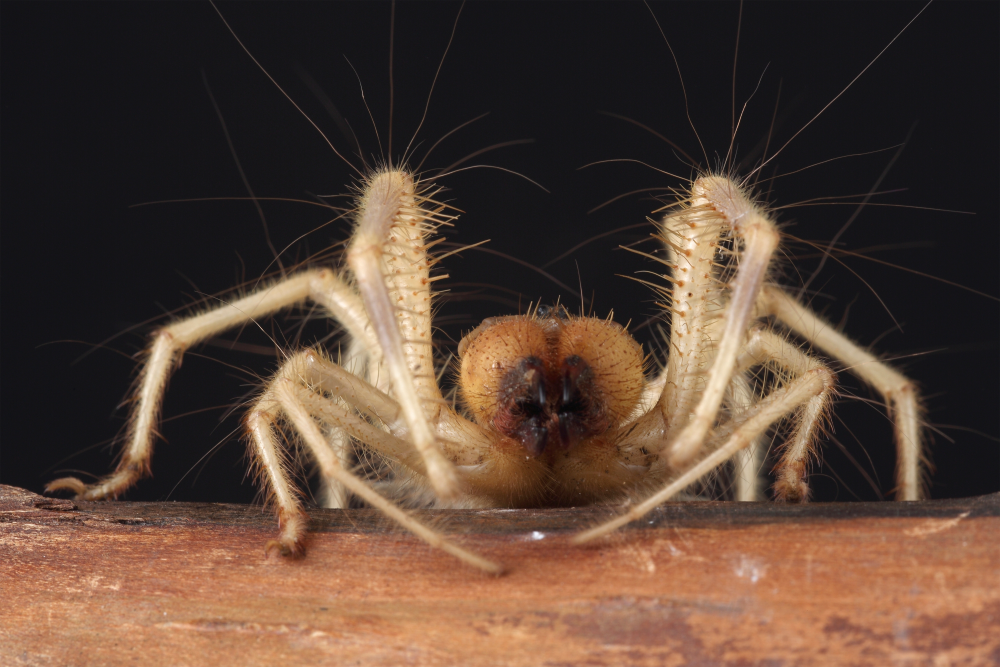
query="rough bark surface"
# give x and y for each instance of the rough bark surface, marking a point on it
(697, 584)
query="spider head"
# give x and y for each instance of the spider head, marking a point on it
(550, 380)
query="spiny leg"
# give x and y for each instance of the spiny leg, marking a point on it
(286, 395)
(747, 464)
(390, 221)
(462, 442)
(388, 258)
(718, 196)
(311, 434)
(767, 348)
(898, 391)
(333, 494)
(816, 382)
(169, 344)
(350, 393)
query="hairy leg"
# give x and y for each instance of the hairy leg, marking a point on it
(748, 482)
(289, 396)
(709, 317)
(388, 257)
(816, 382)
(898, 391)
(169, 344)
(764, 347)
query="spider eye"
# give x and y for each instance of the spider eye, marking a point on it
(558, 311)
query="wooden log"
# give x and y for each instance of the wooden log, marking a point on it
(697, 583)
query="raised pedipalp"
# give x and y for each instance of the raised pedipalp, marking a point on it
(388, 258)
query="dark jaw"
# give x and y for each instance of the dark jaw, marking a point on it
(550, 408)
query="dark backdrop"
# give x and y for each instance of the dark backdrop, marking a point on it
(104, 108)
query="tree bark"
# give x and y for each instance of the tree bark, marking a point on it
(696, 583)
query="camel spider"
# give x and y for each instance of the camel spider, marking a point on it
(559, 410)
(419, 419)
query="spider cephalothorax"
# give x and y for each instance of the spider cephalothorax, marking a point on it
(548, 381)
(556, 388)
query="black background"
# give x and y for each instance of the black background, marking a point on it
(104, 107)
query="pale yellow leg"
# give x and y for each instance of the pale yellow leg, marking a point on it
(764, 347)
(748, 482)
(816, 382)
(759, 239)
(287, 396)
(169, 344)
(898, 391)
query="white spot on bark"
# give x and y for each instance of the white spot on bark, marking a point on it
(932, 526)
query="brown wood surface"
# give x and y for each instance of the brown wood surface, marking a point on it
(699, 584)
